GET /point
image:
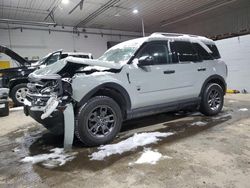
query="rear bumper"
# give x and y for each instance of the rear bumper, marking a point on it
(54, 123)
(4, 103)
(4, 93)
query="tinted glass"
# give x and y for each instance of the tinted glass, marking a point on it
(183, 51)
(204, 55)
(215, 51)
(81, 56)
(64, 56)
(158, 51)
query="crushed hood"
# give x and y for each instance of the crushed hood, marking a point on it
(94, 62)
(59, 65)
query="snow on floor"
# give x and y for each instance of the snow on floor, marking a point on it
(131, 143)
(16, 109)
(199, 123)
(150, 157)
(222, 116)
(196, 114)
(58, 157)
(243, 109)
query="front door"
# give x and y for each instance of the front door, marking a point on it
(155, 82)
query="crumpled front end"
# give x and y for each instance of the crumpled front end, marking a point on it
(50, 89)
(47, 99)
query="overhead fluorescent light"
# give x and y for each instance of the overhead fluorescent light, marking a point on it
(135, 11)
(65, 2)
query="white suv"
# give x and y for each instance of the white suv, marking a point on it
(159, 73)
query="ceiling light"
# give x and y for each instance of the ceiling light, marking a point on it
(135, 11)
(65, 2)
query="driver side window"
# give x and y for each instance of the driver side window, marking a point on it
(157, 51)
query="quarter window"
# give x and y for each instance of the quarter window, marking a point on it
(215, 51)
(183, 51)
(158, 51)
(204, 55)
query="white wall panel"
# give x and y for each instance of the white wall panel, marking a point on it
(31, 43)
(236, 53)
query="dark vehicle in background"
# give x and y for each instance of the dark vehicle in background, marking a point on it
(16, 78)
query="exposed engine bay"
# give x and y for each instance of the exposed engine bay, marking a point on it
(50, 91)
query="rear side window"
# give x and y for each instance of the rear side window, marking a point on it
(81, 56)
(183, 51)
(204, 55)
(215, 51)
(64, 56)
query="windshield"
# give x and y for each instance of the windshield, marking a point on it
(48, 59)
(41, 61)
(122, 52)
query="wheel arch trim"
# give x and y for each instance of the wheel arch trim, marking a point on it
(214, 77)
(109, 85)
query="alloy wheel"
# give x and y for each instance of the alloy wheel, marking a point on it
(21, 94)
(101, 121)
(214, 99)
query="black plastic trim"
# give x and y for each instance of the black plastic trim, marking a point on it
(109, 85)
(214, 77)
(166, 107)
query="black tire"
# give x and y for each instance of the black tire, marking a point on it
(13, 95)
(90, 120)
(212, 99)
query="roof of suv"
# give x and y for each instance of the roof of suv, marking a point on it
(179, 36)
(77, 53)
(168, 36)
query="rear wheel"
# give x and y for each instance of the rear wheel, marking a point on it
(18, 94)
(212, 100)
(99, 121)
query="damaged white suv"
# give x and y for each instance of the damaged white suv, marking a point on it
(160, 73)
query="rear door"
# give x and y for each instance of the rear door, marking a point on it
(187, 76)
(205, 67)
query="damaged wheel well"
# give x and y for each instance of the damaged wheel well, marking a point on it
(114, 91)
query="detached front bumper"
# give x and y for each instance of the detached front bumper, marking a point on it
(54, 123)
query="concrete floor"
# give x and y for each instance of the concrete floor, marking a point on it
(214, 155)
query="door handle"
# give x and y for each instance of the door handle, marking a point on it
(201, 69)
(169, 72)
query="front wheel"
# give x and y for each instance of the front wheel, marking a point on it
(98, 121)
(18, 94)
(212, 100)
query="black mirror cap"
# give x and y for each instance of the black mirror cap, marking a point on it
(145, 61)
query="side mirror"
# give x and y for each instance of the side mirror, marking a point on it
(42, 66)
(145, 61)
